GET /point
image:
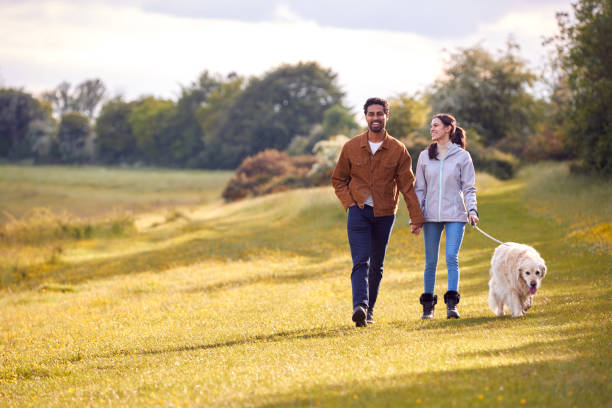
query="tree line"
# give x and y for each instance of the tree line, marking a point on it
(218, 121)
(215, 123)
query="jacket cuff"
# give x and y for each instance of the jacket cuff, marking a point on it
(349, 205)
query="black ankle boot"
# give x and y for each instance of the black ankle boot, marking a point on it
(451, 298)
(428, 301)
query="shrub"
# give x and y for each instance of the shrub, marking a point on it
(268, 172)
(488, 159)
(327, 153)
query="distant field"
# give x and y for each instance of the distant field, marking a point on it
(248, 305)
(93, 191)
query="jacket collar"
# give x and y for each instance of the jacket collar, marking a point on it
(364, 140)
(452, 149)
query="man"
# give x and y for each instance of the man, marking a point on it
(373, 168)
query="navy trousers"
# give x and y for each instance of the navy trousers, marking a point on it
(368, 237)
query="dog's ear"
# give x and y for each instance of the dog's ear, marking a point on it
(518, 273)
(543, 268)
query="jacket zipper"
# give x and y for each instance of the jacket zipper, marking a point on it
(440, 195)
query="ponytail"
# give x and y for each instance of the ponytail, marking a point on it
(458, 137)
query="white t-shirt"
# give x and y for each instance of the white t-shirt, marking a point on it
(374, 147)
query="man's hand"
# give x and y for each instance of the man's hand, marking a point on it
(415, 229)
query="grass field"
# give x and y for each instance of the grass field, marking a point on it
(92, 191)
(248, 304)
(581, 203)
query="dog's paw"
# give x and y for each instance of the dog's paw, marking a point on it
(527, 304)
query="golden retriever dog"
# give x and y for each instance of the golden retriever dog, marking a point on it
(516, 272)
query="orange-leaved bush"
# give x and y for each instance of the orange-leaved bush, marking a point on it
(268, 172)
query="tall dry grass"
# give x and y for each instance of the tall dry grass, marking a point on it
(40, 237)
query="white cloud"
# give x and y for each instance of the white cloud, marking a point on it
(528, 28)
(140, 52)
(284, 13)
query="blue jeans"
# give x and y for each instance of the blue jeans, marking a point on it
(368, 237)
(432, 231)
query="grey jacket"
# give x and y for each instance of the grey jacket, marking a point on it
(445, 188)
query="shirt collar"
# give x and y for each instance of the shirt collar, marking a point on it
(365, 144)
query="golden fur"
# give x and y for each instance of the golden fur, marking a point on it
(516, 273)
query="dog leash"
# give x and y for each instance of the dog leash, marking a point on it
(481, 231)
(486, 235)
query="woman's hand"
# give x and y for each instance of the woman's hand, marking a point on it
(415, 229)
(473, 218)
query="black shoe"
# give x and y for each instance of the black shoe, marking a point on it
(370, 317)
(451, 298)
(359, 316)
(429, 302)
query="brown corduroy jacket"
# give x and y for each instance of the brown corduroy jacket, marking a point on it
(385, 174)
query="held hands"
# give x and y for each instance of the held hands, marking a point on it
(473, 219)
(415, 229)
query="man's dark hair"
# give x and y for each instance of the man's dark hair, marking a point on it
(376, 101)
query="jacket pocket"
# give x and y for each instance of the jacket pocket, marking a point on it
(388, 169)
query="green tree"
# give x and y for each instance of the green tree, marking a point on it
(214, 111)
(149, 120)
(188, 137)
(23, 119)
(271, 111)
(42, 140)
(115, 140)
(337, 120)
(75, 138)
(408, 114)
(489, 95)
(585, 52)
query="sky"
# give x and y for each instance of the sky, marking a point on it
(153, 47)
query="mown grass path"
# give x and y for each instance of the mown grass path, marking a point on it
(248, 304)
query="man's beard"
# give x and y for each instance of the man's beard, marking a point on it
(376, 127)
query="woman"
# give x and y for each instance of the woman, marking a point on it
(445, 190)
